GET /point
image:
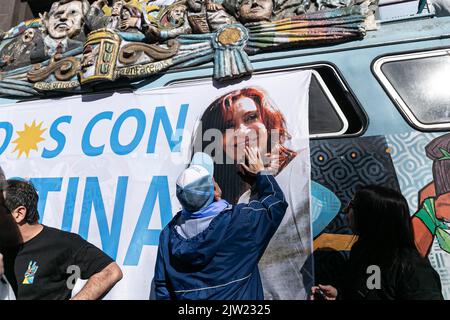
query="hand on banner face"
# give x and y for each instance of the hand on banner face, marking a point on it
(329, 292)
(253, 161)
(272, 163)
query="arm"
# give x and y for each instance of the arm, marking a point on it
(419, 281)
(267, 212)
(271, 197)
(100, 283)
(422, 236)
(322, 292)
(161, 290)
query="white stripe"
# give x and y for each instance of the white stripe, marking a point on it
(259, 209)
(273, 190)
(282, 193)
(220, 285)
(273, 204)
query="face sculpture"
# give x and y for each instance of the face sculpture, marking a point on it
(255, 10)
(117, 9)
(126, 14)
(244, 126)
(28, 35)
(65, 20)
(177, 13)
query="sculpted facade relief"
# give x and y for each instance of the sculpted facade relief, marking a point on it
(63, 28)
(123, 17)
(263, 10)
(77, 42)
(18, 52)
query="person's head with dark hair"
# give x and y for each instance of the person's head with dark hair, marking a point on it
(21, 199)
(243, 117)
(380, 217)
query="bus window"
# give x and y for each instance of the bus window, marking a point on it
(418, 85)
(331, 101)
(325, 116)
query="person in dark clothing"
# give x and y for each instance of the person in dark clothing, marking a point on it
(210, 250)
(9, 236)
(40, 266)
(380, 218)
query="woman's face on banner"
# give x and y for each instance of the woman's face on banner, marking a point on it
(244, 126)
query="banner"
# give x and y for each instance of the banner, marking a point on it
(105, 166)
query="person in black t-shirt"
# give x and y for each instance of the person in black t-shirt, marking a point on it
(45, 263)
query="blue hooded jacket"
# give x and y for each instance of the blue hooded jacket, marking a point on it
(221, 261)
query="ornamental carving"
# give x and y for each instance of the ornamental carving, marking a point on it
(78, 43)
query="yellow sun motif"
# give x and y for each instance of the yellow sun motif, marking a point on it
(29, 138)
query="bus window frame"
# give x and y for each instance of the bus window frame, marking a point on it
(345, 121)
(395, 97)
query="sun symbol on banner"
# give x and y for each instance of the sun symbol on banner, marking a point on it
(29, 138)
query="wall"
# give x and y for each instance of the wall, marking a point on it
(12, 12)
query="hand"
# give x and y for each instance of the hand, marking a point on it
(272, 163)
(253, 158)
(87, 61)
(330, 292)
(7, 59)
(211, 6)
(2, 268)
(44, 17)
(129, 23)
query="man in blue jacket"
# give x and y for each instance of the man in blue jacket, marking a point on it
(210, 250)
